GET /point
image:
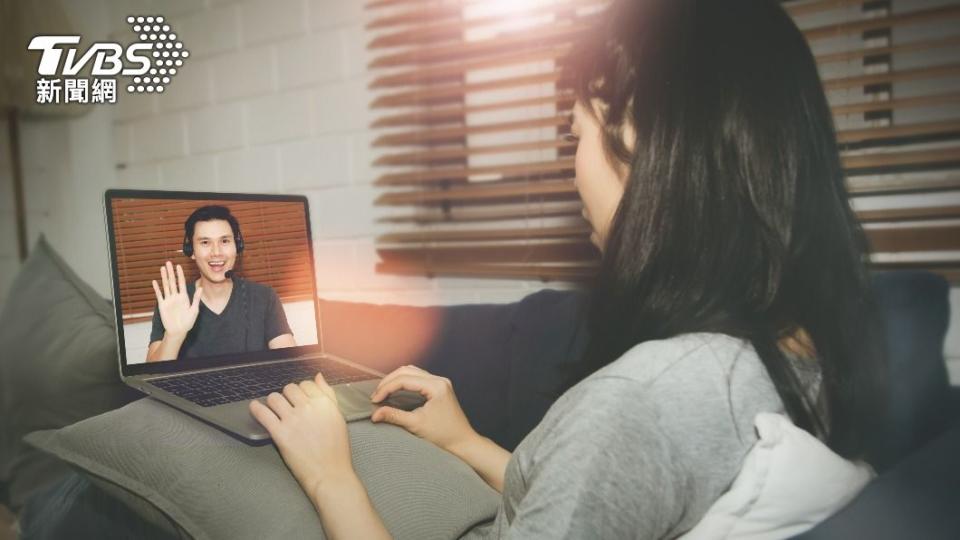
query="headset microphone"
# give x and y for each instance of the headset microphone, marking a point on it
(229, 274)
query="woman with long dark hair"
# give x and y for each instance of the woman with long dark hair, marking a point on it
(732, 283)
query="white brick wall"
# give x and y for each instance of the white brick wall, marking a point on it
(215, 128)
(246, 73)
(279, 117)
(248, 170)
(158, 137)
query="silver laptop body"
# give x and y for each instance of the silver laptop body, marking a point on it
(186, 383)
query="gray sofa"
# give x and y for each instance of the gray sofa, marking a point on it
(506, 363)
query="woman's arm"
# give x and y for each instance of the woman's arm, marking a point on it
(311, 435)
(346, 511)
(486, 457)
(441, 421)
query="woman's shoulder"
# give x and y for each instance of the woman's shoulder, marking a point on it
(712, 384)
(686, 358)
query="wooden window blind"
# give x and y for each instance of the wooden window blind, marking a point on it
(150, 232)
(471, 113)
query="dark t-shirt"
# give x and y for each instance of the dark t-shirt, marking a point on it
(252, 317)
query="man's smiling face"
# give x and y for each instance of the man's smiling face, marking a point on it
(214, 249)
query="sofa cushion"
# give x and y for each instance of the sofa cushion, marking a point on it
(213, 486)
(59, 365)
(789, 482)
(918, 498)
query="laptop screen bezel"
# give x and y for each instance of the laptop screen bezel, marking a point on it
(149, 368)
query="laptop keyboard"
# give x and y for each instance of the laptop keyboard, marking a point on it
(226, 386)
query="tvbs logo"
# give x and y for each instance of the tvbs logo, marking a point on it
(151, 62)
(107, 57)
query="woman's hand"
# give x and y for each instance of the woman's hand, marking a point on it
(309, 432)
(311, 435)
(177, 313)
(440, 420)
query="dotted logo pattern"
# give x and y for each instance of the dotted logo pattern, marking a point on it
(168, 53)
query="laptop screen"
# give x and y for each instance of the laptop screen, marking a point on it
(208, 279)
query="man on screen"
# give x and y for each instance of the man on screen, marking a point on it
(219, 313)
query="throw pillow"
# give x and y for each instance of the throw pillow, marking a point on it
(789, 482)
(59, 365)
(213, 486)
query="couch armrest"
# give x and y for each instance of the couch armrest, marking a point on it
(918, 498)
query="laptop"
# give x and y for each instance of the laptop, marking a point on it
(257, 325)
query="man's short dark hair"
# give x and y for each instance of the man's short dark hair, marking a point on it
(210, 213)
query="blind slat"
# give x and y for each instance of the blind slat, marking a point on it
(442, 155)
(909, 214)
(898, 103)
(909, 239)
(540, 252)
(899, 185)
(459, 215)
(914, 158)
(436, 136)
(480, 193)
(581, 272)
(426, 236)
(457, 113)
(902, 130)
(460, 174)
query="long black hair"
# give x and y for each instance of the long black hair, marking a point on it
(735, 218)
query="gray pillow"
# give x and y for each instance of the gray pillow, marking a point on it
(58, 366)
(213, 486)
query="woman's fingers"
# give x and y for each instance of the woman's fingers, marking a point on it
(324, 387)
(279, 404)
(400, 372)
(295, 395)
(264, 415)
(425, 386)
(165, 280)
(311, 389)
(393, 416)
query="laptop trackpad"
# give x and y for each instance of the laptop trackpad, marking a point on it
(354, 401)
(355, 404)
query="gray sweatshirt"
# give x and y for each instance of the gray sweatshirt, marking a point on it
(641, 448)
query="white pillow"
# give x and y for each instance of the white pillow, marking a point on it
(790, 481)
